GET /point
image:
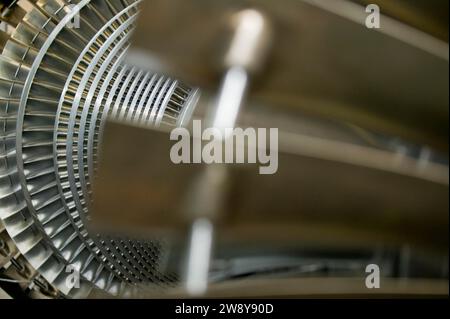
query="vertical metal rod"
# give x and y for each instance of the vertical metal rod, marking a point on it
(230, 99)
(245, 54)
(200, 247)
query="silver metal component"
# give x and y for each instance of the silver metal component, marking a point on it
(58, 86)
(361, 116)
(200, 247)
(246, 54)
(230, 98)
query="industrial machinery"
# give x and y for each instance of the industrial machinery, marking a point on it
(90, 89)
